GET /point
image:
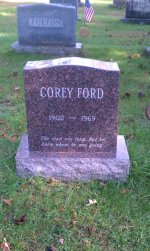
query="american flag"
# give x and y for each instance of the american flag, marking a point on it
(88, 11)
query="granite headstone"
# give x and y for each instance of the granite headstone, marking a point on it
(72, 117)
(137, 11)
(44, 26)
(67, 2)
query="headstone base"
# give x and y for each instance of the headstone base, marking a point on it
(135, 20)
(47, 49)
(74, 169)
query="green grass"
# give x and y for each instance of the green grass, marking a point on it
(120, 219)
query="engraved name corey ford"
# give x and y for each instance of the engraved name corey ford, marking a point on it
(66, 92)
(45, 22)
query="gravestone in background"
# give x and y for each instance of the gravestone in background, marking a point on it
(80, 4)
(72, 116)
(137, 11)
(46, 28)
(67, 2)
(119, 3)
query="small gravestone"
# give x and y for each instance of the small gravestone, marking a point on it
(72, 115)
(67, 2)
(137, 11)
(47, 28)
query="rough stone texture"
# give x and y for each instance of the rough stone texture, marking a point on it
(73, 104)
(74, 169)
(137, 11)
(46, 24)
(67, 2)
(77, 50)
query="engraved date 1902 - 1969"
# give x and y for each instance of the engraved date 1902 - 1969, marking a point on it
(83, 118)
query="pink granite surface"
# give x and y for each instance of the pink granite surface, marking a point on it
(72, 107)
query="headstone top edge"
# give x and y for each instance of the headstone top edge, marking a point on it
(72, 61)
(46, 4)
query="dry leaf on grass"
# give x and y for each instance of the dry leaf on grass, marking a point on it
(124, 191)
(5, 246)
(7, 202)
(3, 134)
(74, 216)
(52, 181)
(61, 241)
(49, 248)
(20, 220)
(126, 95)
(134, 55)
(92, 202)
(13, 138)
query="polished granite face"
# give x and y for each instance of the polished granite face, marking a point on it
(46, 24)
(138, 9)
(72, 107)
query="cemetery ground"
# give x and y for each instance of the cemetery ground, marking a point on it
(37, 213)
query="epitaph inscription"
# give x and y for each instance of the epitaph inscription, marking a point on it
(72, 106)
(46, 24)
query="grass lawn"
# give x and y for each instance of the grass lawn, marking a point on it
(35, 213)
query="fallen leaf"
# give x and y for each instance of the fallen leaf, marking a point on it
(7, 202)
(49, 248)
(20, 220)
(16, 91)
(87, 242)
(4, 134)
(13, 138)
(124, 191)
(141, 94)
(2, 122)
(91, 229)
(134, 55)
(61, 241)
(74, 216)
(5, 246)
(61, 209)
(15, 74)
(52, 181)
(91, 202)
(126, 95)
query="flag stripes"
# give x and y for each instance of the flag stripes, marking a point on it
(88, 11)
